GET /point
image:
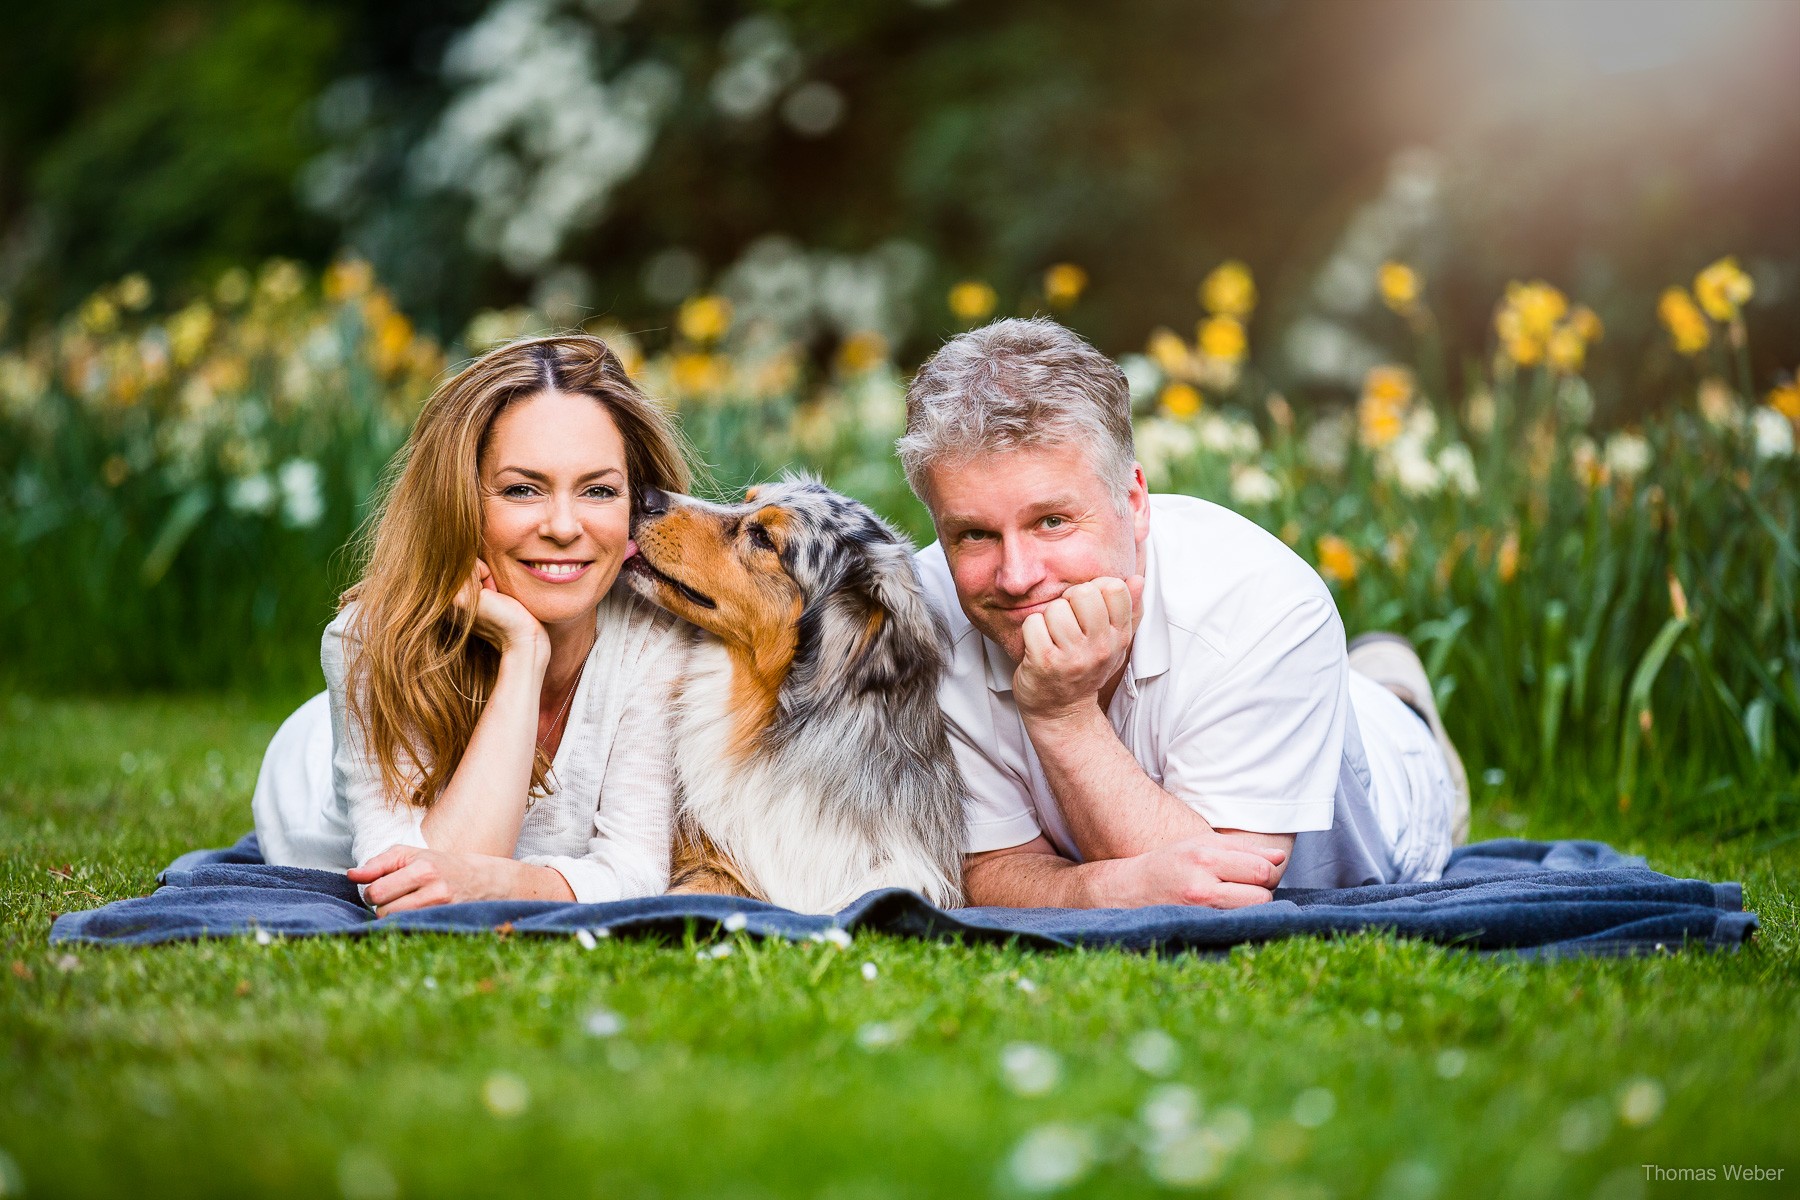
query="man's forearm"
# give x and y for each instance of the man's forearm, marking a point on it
(1113, 808)
(1190, 872)
(1033, 881)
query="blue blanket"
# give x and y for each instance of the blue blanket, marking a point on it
(1537, 899)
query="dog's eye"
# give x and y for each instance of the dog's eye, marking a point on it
(759, 537)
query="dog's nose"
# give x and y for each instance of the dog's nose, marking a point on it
(652, 502)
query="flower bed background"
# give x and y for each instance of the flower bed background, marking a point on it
(1617, 607)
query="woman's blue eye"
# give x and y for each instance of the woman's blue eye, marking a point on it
(518, 491)
(603, 491)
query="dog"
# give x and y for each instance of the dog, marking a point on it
(812, 762)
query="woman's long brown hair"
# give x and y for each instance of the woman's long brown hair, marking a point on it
(418, 677)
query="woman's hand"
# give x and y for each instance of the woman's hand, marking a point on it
(500, 619)
(407, 877)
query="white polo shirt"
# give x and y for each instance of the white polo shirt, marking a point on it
(1237, 700)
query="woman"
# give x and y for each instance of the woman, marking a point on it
(497, 711)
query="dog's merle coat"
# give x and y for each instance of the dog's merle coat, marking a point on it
(850, 785)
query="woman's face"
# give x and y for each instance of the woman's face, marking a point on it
(556, 509)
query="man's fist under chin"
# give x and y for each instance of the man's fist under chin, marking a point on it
(1075, 646)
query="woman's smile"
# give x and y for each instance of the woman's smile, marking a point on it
(555, 570)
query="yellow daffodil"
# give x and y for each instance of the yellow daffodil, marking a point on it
(1229, 290)
(1170, 353)
(1785, 399)
(699, 374)
(1337, 561)
(1223, 338)
(1719, 404)
(1586, 322)
(778, 373)
(1539, 305)
(862, 352)
(1181, 401)
(189, 331)
(1280, 411)
(1723, 289)
(390, 333)
(1506, 562)
(1381, 412)
(1587, 465)
(348, 279)
(1064, 283)
(1397, 550)
(281, 280)
(704, 319)
(226, 374)
(1399, 285)
(1686, 324)
(232, 288)
(1566, 350)
(1527, 318)
(134, 293)
(99, 314)
(971, 301)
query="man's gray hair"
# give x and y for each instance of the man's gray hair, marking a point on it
(1016, 384)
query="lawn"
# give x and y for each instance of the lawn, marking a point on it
(427, 1065)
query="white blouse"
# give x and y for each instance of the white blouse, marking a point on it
(605, 824)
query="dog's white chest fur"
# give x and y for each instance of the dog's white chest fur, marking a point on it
(778, 827)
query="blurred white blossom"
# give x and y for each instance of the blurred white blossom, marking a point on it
(532, 135)
(1327, 443)
(1458, 466)
(302, 496)
(1627, 454)
(1160, 444)
(760, 61)
(1154, 1052)
(505, 1094)
(779, 288)
(251, 494)
(1251, 485)
(1230, 436)
(1051, 1157)
(1641, 1102)
(1773, 432)
(1142, 376)
(1030, 1070)
(1313, 1107)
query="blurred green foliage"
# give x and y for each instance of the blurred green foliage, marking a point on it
(1145, 140)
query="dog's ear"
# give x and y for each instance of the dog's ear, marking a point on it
(895, 639)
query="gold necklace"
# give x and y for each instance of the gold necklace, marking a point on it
(563, 709)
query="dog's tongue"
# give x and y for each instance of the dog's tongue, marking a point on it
(630, 549)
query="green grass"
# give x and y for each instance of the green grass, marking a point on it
(389, 1065)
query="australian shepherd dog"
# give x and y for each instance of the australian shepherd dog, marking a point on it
(811, 760)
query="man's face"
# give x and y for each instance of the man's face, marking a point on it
(1022, 527)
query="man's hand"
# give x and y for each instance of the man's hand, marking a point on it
(1075, 646)
(408, 877)
(1193, 872)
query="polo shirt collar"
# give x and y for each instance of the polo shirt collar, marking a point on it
(1149, 648)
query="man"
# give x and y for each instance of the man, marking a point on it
(1149, 697)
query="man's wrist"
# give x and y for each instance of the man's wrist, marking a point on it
(1082, 717)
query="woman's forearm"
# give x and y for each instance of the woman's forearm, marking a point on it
(481, 810)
